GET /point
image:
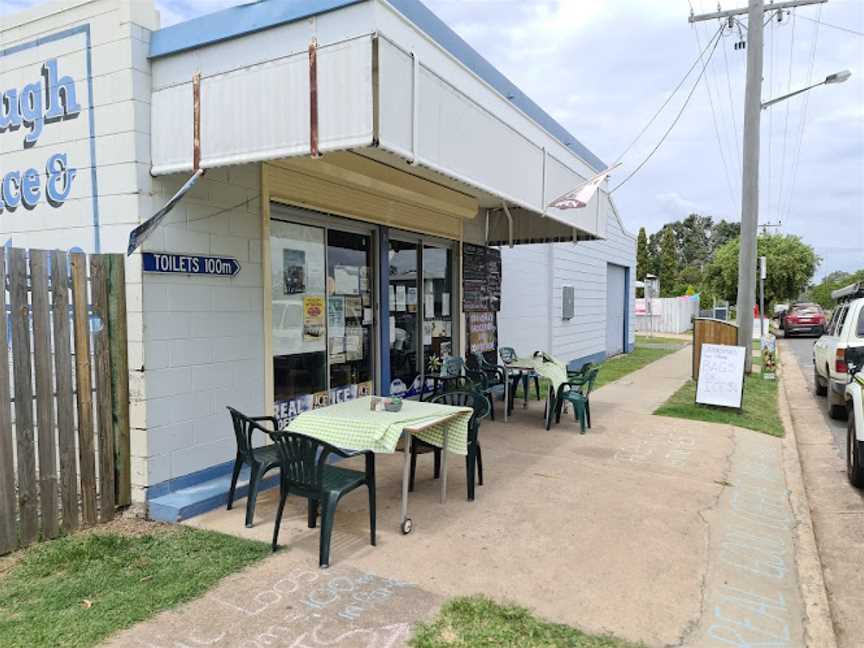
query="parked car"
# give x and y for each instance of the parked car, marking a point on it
(803, 318)
(844, 331)
(855, 407)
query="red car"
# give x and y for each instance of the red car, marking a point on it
(804, 318)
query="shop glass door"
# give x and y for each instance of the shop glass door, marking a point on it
(404, 339)
(323, 331)
(421, 323)
(437, 316)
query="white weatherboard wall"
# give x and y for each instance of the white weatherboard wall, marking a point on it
(533, 278)
(203, 346)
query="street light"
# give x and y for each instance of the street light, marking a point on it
(837, 77)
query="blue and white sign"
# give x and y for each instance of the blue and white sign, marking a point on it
(171, 263)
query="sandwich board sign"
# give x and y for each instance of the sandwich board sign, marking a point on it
(721, 375)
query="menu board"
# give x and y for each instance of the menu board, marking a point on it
(721, 375)
(481, 278)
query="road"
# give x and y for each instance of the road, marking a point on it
(837, 509)
(802, 349)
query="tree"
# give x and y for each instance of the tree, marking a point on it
(722, 233)
(642, 256)
(791, 264)
(668, 262)
(821, 292)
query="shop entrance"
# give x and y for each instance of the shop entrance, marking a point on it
(323, 295)
(420, 304)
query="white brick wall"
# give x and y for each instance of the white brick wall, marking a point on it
(203, 342)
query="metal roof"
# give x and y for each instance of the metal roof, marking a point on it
(264, 14)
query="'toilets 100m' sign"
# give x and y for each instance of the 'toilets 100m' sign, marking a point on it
(25, 112)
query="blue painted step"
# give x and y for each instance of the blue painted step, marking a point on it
(204, 496)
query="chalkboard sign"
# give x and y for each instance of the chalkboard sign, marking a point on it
(481, 279)
(721, 375)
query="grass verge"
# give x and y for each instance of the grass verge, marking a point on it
(613, 368)
(620, 366)
(479, 622)
(658, 339)
(759, 407)
(75, 591)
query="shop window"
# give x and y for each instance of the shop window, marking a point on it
(323, 325)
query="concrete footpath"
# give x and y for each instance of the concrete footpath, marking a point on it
(670, 532)
(836, 507)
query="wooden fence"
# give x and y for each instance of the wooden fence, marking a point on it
(711, 331)
(67, 466)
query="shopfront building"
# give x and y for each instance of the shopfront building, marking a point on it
(361, 161)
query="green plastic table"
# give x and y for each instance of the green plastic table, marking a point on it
(549, 367)
(354, 426)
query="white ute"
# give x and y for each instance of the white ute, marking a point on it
(844, 331)
(855, 428)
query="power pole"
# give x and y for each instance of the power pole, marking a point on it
(750, 176)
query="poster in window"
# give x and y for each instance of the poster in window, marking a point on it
(336, 317)
(412, 299)
(481, 332)
(400, 298)
(353, 308)
(346, 279)
(313, 318)
(293, 272)
(439, 329)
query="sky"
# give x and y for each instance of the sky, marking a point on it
(603, 67)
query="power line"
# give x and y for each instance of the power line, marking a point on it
(665, 103)
(786, 124)
(732, 113)
(770, 169)
(715, 40)
(797, 159)
(824, 24)
(729, 184)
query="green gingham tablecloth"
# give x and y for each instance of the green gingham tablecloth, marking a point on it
(551, 368)
(353, 426)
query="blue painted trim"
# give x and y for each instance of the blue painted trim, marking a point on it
(237, 21)
(384, 307)
(595, 358)
(182, 505)
(264, 14)
(97, 235)
(191, 479)
(51, 38)
(626, 331)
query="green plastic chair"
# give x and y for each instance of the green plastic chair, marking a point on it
(261, 459)
(488, 379)
(474, 459)
(306, 473)
(508, 355)
(578, 392)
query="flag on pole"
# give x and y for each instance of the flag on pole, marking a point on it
(582, 195)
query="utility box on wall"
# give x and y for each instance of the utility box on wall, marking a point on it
(568, 299)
